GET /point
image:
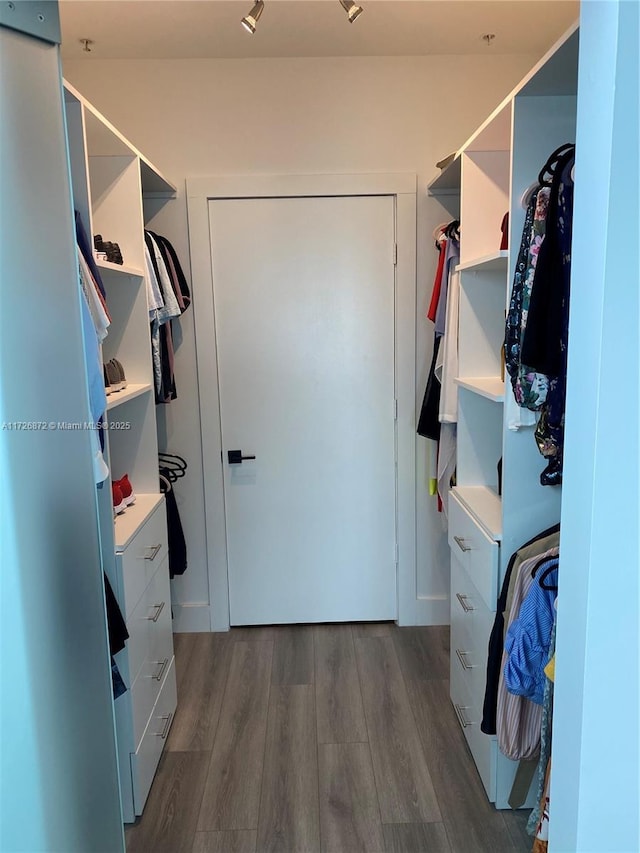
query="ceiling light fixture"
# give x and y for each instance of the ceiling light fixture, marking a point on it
(249, 21)
(351, 9)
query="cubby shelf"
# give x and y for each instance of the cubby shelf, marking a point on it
(119, 269)
(485, 505)
(131, 520)
(491, 387)
(497, 261)
(119, 397)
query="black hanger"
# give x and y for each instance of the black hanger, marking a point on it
(544, 576)
(552, 161)
(452, 231)
(547, 571)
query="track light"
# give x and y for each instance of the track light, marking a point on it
(351, 9)
(249, 21)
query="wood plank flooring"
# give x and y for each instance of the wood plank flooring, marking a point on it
(319, 739)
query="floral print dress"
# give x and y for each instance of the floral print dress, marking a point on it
(530, 387)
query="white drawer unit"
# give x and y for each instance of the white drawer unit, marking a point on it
(144, 712)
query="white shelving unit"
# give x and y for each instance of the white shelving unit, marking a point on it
(109, 179)
(489, 520)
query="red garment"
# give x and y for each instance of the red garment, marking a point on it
(437, 284)
(504, 227)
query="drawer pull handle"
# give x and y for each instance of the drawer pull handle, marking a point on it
(462, 657)
(461, 719)
(154, 550)
(163, 665)
(459, 540)
(167, 725)
(463, 603)
(158, 608)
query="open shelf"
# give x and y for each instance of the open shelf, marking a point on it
(485, 505)
(121, 269)
(497, 261)
(491, 387)
(131, 520)
(448, 181)
(117, 398)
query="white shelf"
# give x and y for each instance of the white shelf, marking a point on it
(491, 387)
(131, 520)
(485, 505)
(120, 269)
(448, 181)
(118, 397)
(497, 261)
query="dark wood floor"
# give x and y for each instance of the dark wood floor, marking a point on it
(332, 738)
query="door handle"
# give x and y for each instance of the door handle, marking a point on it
(235, 457)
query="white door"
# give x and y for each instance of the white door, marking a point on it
(304, 314)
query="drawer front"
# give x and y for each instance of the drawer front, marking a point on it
(161, 630)
(463, 604)
(477, 553)
(151, 617)
(471, 624)
(140, 559)
(156, 612)
(145, 760)
(483, 747)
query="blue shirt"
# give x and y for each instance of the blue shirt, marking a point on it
(529, 637)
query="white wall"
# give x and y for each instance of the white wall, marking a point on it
(296, 116)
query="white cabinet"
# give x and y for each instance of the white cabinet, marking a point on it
(109, 180)
(490, 517)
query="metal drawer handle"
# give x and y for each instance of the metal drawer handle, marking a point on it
(462, 658)
(464, 723)
(154, 552)
(459, 540)
(159, 608)
(463, 603)
(167, 725)
(163, 665)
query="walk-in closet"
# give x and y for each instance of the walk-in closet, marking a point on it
(318, 356)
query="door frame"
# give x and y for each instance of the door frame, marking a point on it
(402, 187)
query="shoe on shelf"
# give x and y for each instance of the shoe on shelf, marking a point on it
(118, 500)
(126, 489)
(107, 385)
(113, 375)
(120, 369)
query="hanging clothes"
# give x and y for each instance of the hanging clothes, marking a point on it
(529, 387)
(168, 297)
(533, 548)
(518, 719)
(529, 636)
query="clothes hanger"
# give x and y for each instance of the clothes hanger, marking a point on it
(527, 195)
(544, 576)
(166, 482)
(552, 161)
(438, 231)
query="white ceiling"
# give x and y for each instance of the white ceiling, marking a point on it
(180, 29)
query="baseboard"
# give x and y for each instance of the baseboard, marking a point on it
(432, 610)
(191, 618)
